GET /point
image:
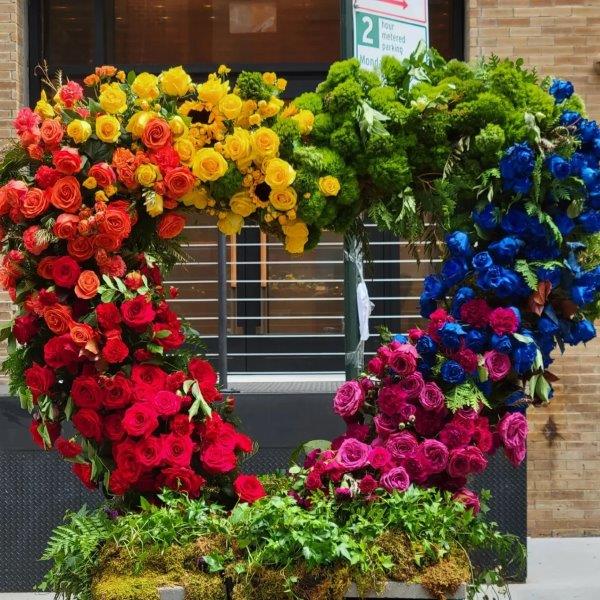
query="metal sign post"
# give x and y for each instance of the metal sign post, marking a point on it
(222, 295)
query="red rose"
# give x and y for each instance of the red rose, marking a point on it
(84, 472)
(25, 328)
(113, 427)
(166, 403)
(156, 134)
(66, 194)
(60, 351)
(137, 313)
(201, 370)
(103, 173)
(117, 392)
(217, 459)
(46, 177)
(248, 488)
(150, 452)
(368, 484)
(179, 181)
(108, 315)
(67, 448)
(65, 271)
(52, 428)
(175, 380)
(66, 226)
(183, 480)
(86, 392)
(174, 339)
(115, 351)
(140, 420)
(177, 450)
(166, 158)
(118, 484)
(149, 376)
(88, 423)
(181, 425)
(243, 443)
(39, 380)
(126, 457)
(67, 161)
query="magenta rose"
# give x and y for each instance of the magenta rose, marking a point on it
(504, 320)
(412, 385)
(416, 468)
(353, 455)
(358, 431)
(469, 498)
(429, 423)
(467, 359)
(432, 397)
(464, 461)
(379, 457)
(348, 399)
(497, 364)
(513, 432)
(376, 366)
(465, 418)
(390, 399)
(401, 445)
(395, 479)
(385, 424)
(454, 436)
(403, 359)
(433, 455)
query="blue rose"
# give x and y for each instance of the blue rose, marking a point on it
(594, 196)
(454, 270)
(426, 345)
(596, 146)
(569, 117)
(524, 357)
(516, 168)
(590, 176)
(516, 402)
(564, 223)
(401, 338)
(487, 218)
(503, 282)
(476, 340)
(501, 343)
(590, 221)
(561, 90)
(452, 335)
(453, 373)
(582, 331)
(506, 250)
(553, 275)
(426, 306)
(433, 287)
(547, 326)
(582, 295)
(558, 166)
(579, 161)
(458, 244)
(543, 249)
(460, 297)
(482, 261)
(486, 387)
(516, 221)
(588, 130)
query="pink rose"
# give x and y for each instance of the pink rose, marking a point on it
(432, 397)
(353, 455)
(348, 399)
(376, 366)
(433, 455)
(497, 364)
(464, 461)
(416, 469)
(401, 445)
(403, 359)
(504, 320)
(395, 479)
(385, 424)
(412, 385)
(469, 499)
(379, 457)
(513, 432)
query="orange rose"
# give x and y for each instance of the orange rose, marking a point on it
(82, 333)
(80, 248)
(87, 285)
(35, 202)
(66, 194)
(116, 223)
(106, 242)
(58, 318)
(65, 227)
(51, 132)
(157, 134)
(170, 226)
(44, 268)
(122, 157)
(179, 181)
(103, 173)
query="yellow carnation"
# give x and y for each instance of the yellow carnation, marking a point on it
(271, 108)
(283, 200)
(230, 223)
(265, 143)
(108, 128)
(269, 78)
(329, 185)
(295, 245)
(113, 99)
(296, 229)
(177, 126)
(90, 183)
(208, 165)
(138, 122)
(186, 148)
(145, 86)
(279, 174)
(198, 198)
(230, 106)
(212, 90)
(238, 145)
(79, 130)
(43, 107)
(153, 203)
(305, 120)
(175, 81)
(147, 174)
(241, 204)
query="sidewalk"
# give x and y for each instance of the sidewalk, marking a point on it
(559, 569)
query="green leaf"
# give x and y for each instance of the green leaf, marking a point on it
(155, 348)
(308, 447)
(543, 389)
(199, 403)
(162, 334)
(131, 77)
(522, 267)
(26, 399)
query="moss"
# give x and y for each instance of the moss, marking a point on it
(399, 548)
(443, 578)
(338, 72)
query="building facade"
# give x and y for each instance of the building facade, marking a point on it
(287, 314)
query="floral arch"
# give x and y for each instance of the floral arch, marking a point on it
(485, 161)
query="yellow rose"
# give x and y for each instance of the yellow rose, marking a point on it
(153, 203)
(145, 86)
(241, 204)
(230, 223)
(329, 185)
(271, 108)
(265, 143)
(147, 174)
(230, 106)
(177, 126)
(279, 174)
(108, 128)
(100, 196)
(90, 183)
(305, 120)
(281, 84)
(212, 90)
(283, 200)
(238, 145)
(208, 165)
(79, 131)
(198, 198)
(138, 122)
(175, 81)
(269, 78)
(295, 245)
(113, 99)
(186, 148)
(296, 229)
(43, 107)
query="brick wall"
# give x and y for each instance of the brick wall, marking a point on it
(562, 38)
